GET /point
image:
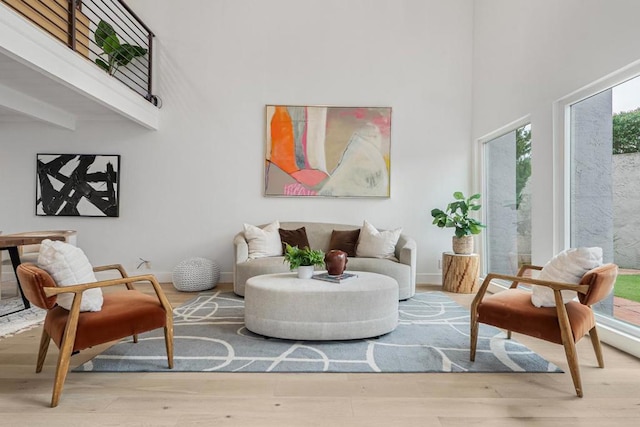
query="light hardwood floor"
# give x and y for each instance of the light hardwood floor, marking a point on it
(612, 395)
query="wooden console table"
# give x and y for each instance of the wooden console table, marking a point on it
(460, 272)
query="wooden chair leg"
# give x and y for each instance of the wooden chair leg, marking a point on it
(474, 338)
(45, 339)
(168, 340)
(66, 349)
(64, 359)
(595, 341)
(574, 368)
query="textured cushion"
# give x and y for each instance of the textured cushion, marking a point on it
(68, 265)
(345, 240)
(568, 267)
(263, 242)
(512, 309)
(124, 313)
(377, 244)
(294, 238)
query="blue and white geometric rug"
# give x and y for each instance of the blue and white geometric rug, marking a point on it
(432, 336)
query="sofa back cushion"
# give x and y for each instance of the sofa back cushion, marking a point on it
(263, 241)
(296, 237)
(345, 240)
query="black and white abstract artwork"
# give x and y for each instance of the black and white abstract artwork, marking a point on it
(77, 185)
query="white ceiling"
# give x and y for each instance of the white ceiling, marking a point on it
(27, 81)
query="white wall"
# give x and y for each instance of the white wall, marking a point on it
(187, 188)
(530, 53)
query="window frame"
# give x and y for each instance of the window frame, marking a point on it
(482, 178)
(612, 331)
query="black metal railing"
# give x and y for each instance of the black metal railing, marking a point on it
(106, 32)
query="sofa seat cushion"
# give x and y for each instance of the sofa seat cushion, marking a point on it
(400, 272)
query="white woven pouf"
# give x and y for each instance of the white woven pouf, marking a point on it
(196, 274)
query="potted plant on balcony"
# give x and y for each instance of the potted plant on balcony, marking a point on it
(456, 215)
(303, 259)
(117, 54)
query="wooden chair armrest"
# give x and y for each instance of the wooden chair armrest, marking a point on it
(556, 286)
(78, 289)
(117, 267)
(523, 269)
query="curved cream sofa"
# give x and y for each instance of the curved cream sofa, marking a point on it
(403, 270)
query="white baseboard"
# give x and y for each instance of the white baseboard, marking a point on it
(429, 278)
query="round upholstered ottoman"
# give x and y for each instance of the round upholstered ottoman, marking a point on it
(283, 306)
(196, 274)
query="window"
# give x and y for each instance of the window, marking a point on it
(507, 200)
(605, 191)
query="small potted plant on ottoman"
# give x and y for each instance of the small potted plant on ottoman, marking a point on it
(303, 259)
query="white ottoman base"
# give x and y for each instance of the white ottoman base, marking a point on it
(283, 306)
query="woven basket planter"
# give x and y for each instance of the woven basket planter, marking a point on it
(196, 274)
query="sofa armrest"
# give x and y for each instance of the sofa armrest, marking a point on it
(407, 253)
(241, 252)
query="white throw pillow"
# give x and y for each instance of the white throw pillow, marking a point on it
(377, 244)
(68, 265)
(569, 266)
(263, 242)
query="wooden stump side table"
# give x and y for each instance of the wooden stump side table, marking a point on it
(460, 272)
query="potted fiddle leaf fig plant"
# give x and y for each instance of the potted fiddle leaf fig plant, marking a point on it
(456, 215)
(303, 260)
(117, 54)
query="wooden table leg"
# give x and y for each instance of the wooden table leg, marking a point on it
(15, 260)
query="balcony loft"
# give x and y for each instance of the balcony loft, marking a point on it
(42, 79)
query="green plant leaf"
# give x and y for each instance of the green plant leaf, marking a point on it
(102, 64)
(111, 44)
(103, 31)
(137, 50)
(460, 232)
(297, 257)
(126, 52)
(457, 215)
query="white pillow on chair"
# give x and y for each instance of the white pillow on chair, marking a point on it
(68, 265)
(569, 266)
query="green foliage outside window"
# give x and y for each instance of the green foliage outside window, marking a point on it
(626, 132)
(523, 160)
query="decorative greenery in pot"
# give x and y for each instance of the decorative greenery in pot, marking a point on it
(305, 257)
(297, 257)
(456, 216)
(118, 55)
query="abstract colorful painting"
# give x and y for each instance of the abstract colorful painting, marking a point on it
(327, 151)
(77, 185)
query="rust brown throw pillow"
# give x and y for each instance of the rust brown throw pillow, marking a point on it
(345, 240)
(294, 238)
